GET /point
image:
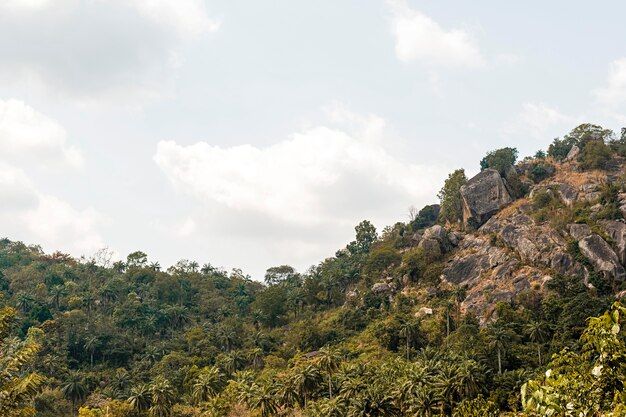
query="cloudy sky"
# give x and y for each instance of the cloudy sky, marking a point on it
(256, 133)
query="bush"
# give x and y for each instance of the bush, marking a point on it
(595, 155)
(500, 160)
(540, 172)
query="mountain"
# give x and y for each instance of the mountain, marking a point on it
(478, 306)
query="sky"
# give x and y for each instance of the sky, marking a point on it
(250, 134)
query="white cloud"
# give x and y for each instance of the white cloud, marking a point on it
(187, 17)
(614, 94)
(187, 228)
(420, 39)
(25, 133)
(30, 139)
(57, 225)
(318, 175)
(541, 121)
(114, 52)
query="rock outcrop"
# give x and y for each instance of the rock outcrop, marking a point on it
(617, 232)
(602, 257)
(537, 245)
(483, 196)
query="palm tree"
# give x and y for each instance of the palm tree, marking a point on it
(329, 360)
(373, 401)
(151, 354)
(408, 330)
(447, 384)
(235, 361)
(470, 378)
(256, 357)
(538, 332)
(305, 380)
(162, 397)
(263, 399)
(227, 337)
(90, 346)
(73, 388)
(88, 301)
(120, 382)
(140, 397)
(206, 384)
(24, 302)
(56, 293)
(499, 336)
(17, 387)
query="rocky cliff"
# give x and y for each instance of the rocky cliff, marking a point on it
(570, 224)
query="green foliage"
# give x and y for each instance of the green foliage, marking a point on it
(476, 407)
(595, 155)
(450, 197)
(426, 217)
(580, 136)
(501, 160)
(540, 172)
(589, 380)
(381, 259)
(18, 387)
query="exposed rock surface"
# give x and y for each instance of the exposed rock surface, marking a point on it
(579, 231)
(537, 245)
(602, 257)
(482, 197)
(564, 191)
(617, 232)
(573, 153)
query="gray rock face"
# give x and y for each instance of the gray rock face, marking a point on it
(567, 193)
(431, 248)
(483, 196)
(579, 231)
(573, 153)
(602, 257)
(441, 235)
(617, 232)
(381, 287)
(537, 245)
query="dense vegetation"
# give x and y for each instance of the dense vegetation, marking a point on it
(96, 338)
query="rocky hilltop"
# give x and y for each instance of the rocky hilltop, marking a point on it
(565, 224)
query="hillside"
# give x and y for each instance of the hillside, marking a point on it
(452, 313)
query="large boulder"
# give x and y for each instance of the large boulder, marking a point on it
(441, 235)
(482, 197)
(602, 257)
(617, 232)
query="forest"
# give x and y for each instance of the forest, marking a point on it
(377, 329)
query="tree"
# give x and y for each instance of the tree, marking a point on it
(589, 380)
(162, 397)
(329, 360)
(140, 397)
(279, 274)
(263, 398)
(500, 160)
(90, 346)
(365, 236)
(409, 329)
(206, 384)
(74, 388)
(450, 197)
(595, 155)
(538, 332)
(500, 336)
(17, 387)
(426, 217)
